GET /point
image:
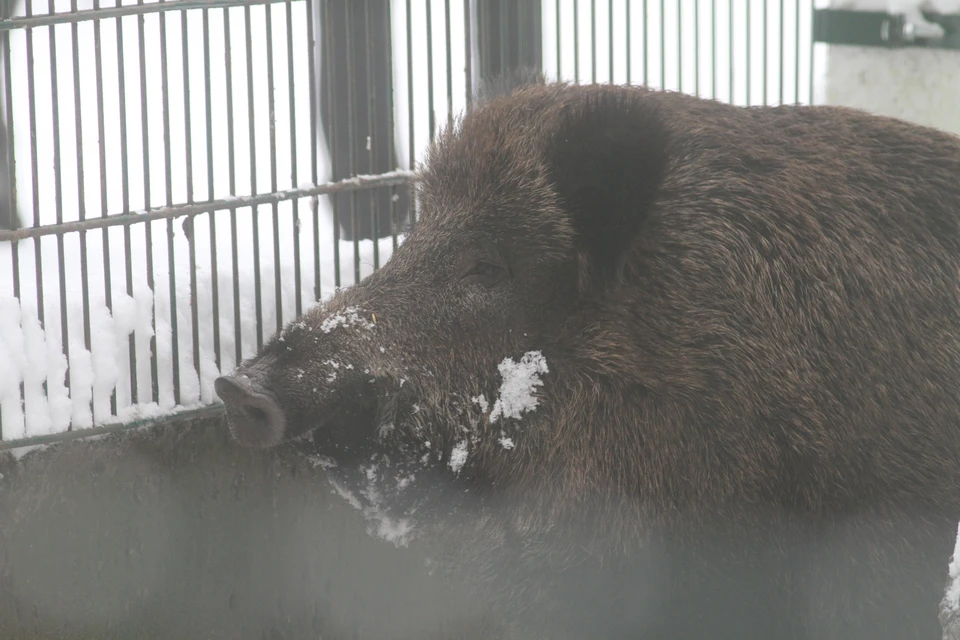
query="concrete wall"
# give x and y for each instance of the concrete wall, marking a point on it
(176, 532)
(915, 84)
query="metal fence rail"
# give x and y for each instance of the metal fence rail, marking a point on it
(180, 178)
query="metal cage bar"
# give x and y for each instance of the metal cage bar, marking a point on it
(256, 96)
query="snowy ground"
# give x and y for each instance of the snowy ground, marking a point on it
(31, 350)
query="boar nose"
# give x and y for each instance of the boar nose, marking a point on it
(253, 413)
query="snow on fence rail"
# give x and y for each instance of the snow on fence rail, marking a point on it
(171, 173)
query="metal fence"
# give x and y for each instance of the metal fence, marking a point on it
(180, 178)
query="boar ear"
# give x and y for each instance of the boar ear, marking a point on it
(608, 159)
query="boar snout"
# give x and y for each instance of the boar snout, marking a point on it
(253, 413)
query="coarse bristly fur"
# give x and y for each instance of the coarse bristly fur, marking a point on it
(749, 418)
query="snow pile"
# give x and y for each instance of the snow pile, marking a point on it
(517, 391)
(951, 601)
(121, 360)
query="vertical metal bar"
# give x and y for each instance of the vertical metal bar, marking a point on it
(749, 79)
(766, 52)
(214, 264)
(646, 43)
(168, 175)
(107, 275)
(187, 121)
(34, 172)
(446, 21)
(780, 82)
(679, 45)
(190, 222)
(810, 40)
(430, 102)
(559, 46)
(6, 9)
(154, 374)
(629, 34)
(81, 193)
(291, 98)
(663, 45)
(314, 201)
(593, 41)
(372, 140)
(411, 150)
(391, 125)
(796, 76)
(11, 157)
(275, 208)
(58, 189)
(352, 138)
(522, 21)
(713, 45)
(486, 51)
(610, 38)
(12, 168)
(232, 180)
(467, 57)
(503, 38)
(254, 210)
(730, 48)
(328, 29)
(696, 47)
(125, 195)
(576, 41)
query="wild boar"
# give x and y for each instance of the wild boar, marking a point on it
(654, 366)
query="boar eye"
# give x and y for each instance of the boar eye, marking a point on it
(483, 272)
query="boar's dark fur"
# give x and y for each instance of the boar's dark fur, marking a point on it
(749, 425)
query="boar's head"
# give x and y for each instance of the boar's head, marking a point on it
(452, 354)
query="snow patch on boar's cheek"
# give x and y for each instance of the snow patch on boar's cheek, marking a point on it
(390, 489)
(518, 389)
(517, 395)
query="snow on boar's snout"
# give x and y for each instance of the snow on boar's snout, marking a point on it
(304, 377)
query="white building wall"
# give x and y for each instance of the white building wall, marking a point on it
(916, 84)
